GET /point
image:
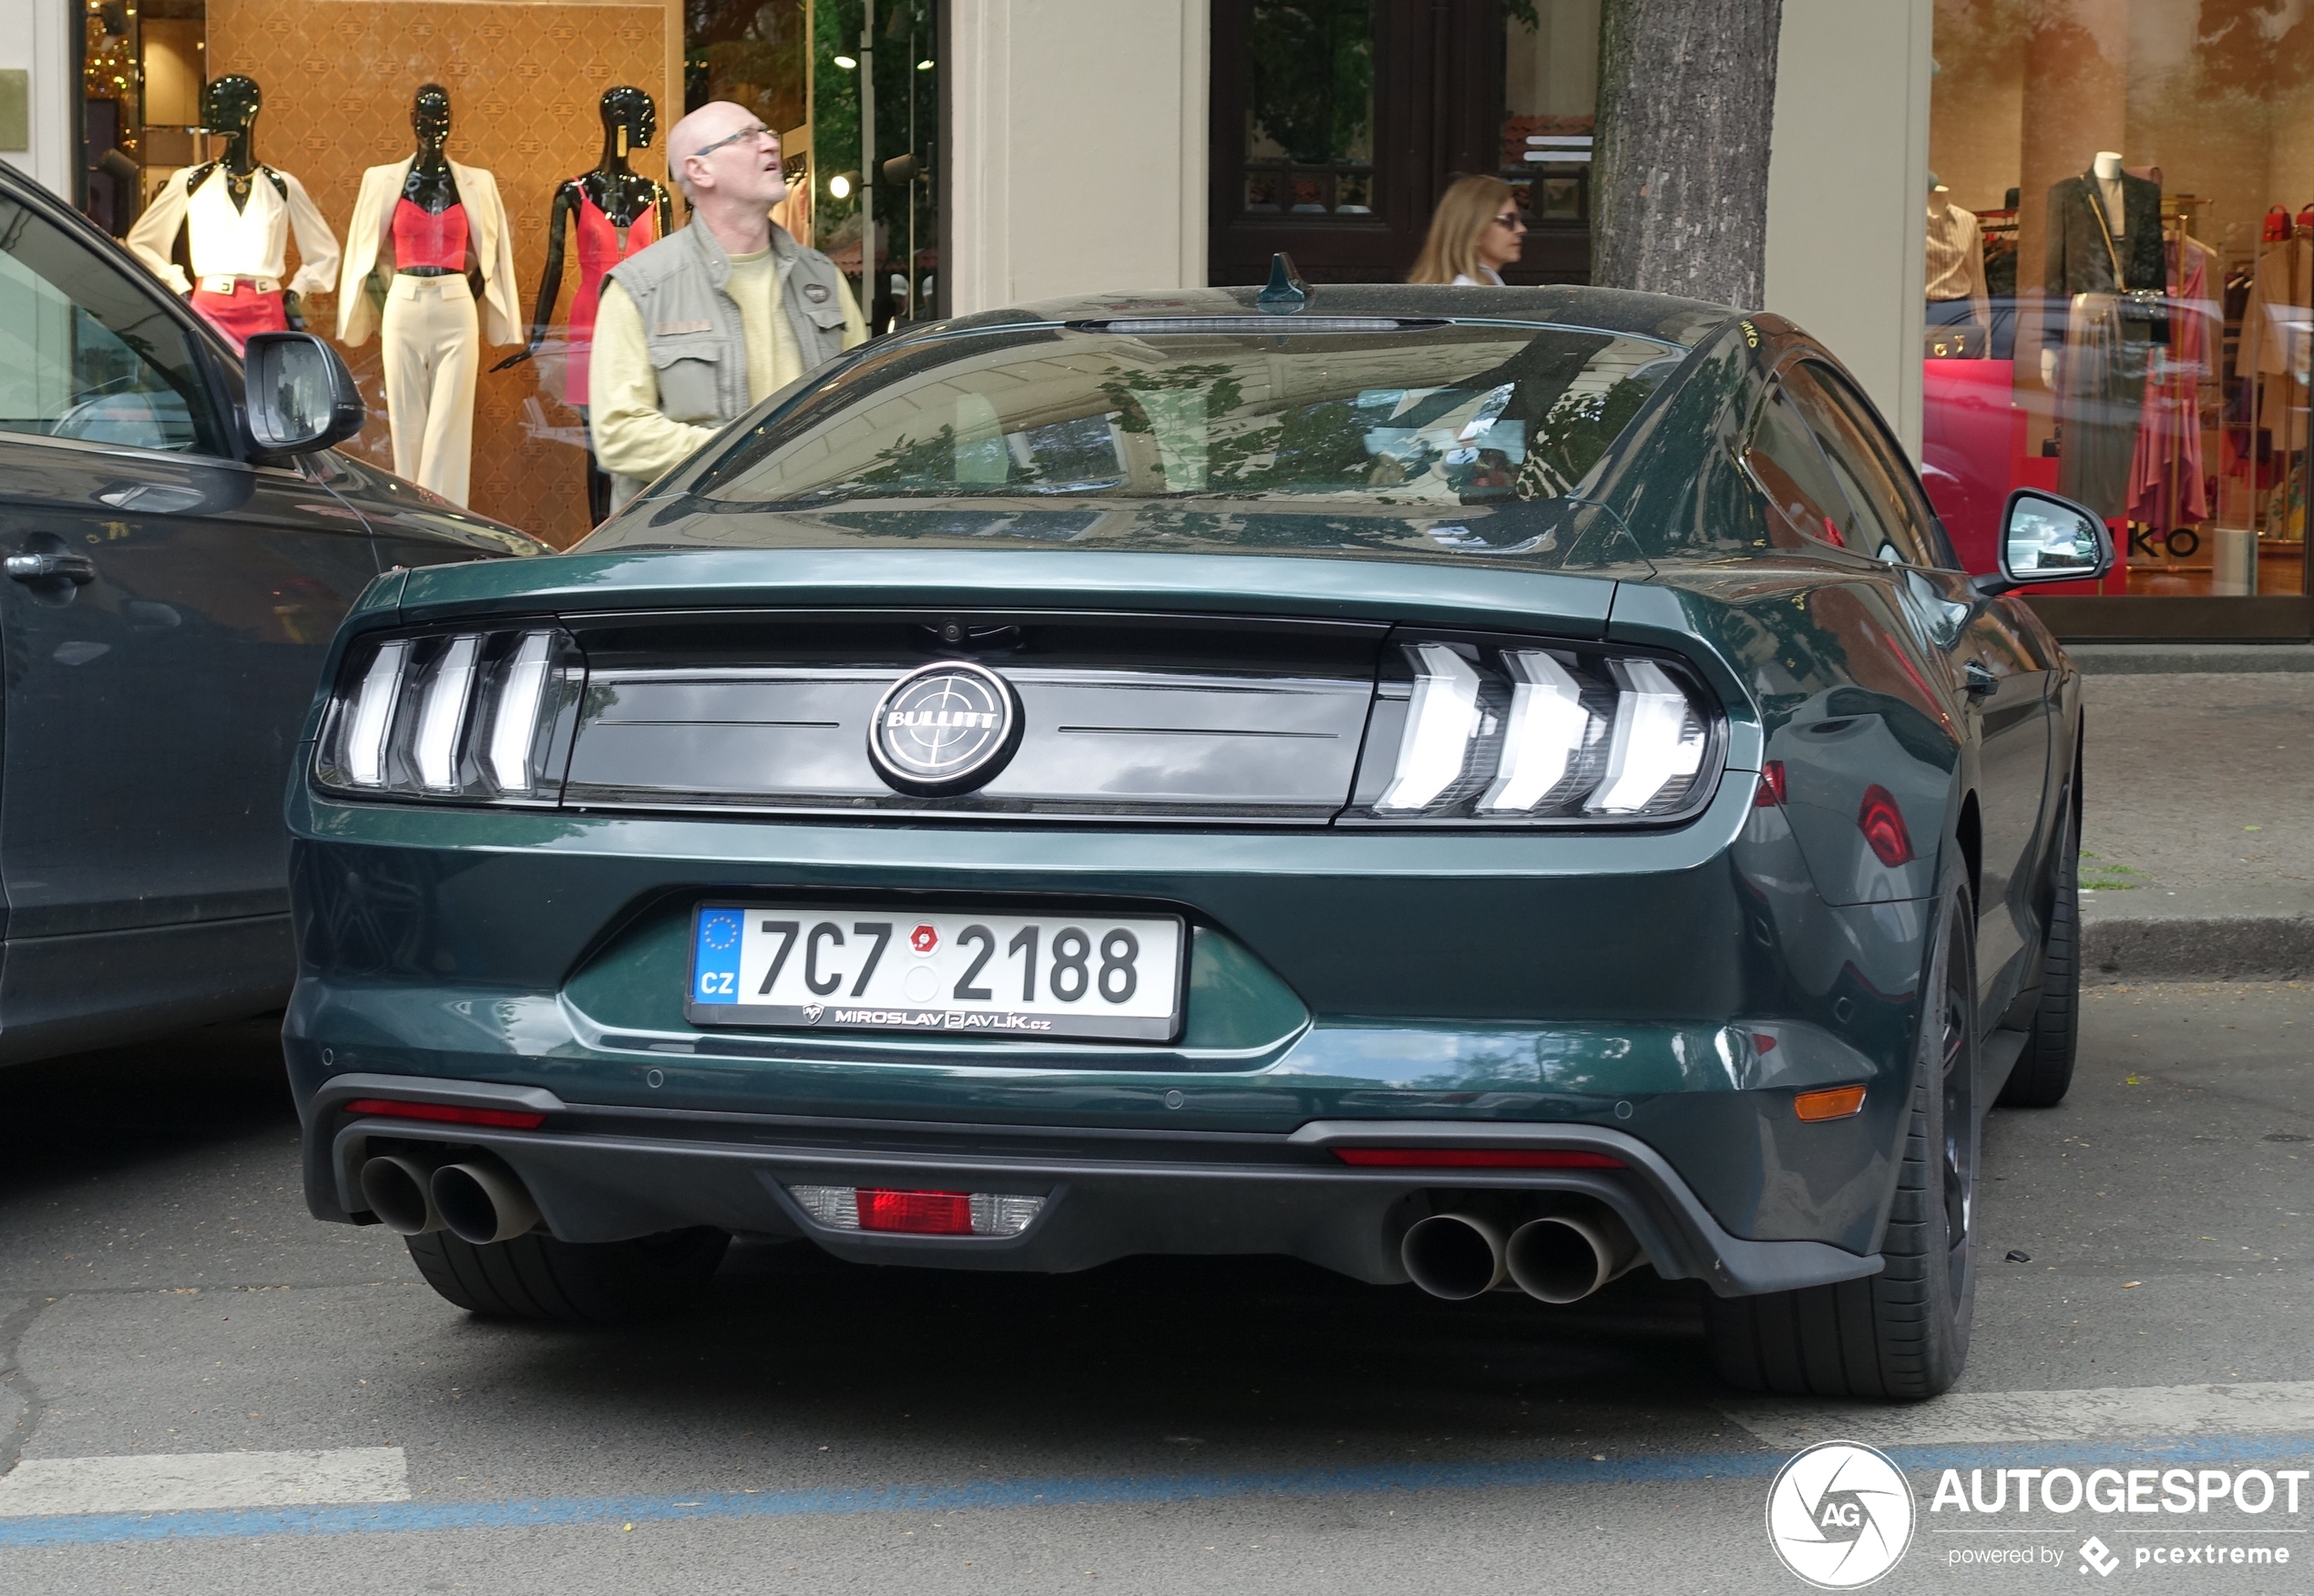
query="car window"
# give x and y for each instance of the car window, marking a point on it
(1208, 410)
(1784, 459)
(1896, 529)
(86, 352)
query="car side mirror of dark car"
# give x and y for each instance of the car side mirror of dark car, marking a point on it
(2045, 539)
(299, 397)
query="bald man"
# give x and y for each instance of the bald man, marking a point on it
(698, 329)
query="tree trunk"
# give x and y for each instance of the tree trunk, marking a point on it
(1687, 97)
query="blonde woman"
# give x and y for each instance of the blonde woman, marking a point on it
(1475, 232)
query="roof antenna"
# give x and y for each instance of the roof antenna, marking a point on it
(1287, 291)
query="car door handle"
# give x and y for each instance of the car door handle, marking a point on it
(77, 568)
(1977, 681)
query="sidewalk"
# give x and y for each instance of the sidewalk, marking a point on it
(2198, 859)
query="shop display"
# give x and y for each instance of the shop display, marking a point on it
(2167, 485)
(423, 230)
(612, 211)
(1959, 307)
(235, 215)
(2104, 282)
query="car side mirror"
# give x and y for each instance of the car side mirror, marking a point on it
(298, 396)
(2044, 539)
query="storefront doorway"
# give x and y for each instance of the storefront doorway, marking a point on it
(1338, 123)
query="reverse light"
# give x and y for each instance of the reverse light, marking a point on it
(1476, 1158)
(1882, 823)
(1833, 1102)
(472, 715)
(1489, 731)
(446, 1113)
(918, 1214)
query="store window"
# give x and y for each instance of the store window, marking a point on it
(1551, 105)
(567, 105)
(2119, 238)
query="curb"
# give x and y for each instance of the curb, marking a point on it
(2190, 659)
(2200, 947)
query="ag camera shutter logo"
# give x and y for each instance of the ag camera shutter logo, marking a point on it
(1839, 1515)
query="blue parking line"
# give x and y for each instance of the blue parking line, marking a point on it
(536, 1512)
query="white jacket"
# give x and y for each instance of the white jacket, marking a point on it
(369, 251)
(250, 241)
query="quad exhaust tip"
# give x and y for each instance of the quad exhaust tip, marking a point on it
(398, 1187)
(477, 1199)
(1560, 1257)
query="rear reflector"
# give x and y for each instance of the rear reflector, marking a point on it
(1837, 1102)
(1476, 1158)
(917, 1214)
(1882, 823)
(447, 1113)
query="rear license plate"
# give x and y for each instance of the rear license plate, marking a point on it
(1045, 976)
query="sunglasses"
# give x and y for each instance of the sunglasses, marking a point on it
(757, 131)
(1510, 219)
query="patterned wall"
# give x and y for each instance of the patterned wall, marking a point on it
(523, 77)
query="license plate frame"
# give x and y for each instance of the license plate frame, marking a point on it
(732, 965)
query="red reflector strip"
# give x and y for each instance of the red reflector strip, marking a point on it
(921, 1214)
(1771, 788)
(1476, 1158)
(447, 1114)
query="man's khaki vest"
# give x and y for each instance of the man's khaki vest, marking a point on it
(693, 331)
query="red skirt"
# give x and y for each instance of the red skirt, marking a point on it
(243, 313)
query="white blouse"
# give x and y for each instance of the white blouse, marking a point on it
(1493, 279)
(227, 240)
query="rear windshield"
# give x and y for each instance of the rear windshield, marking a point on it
(1416, 417)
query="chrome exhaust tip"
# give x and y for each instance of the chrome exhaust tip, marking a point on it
(482, 1201)
(398, 1187)
(1565, 1257)
(1457, 1256)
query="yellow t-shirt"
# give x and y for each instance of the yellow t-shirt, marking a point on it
(631, 437)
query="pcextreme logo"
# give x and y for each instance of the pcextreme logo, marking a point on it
(1839, 1515)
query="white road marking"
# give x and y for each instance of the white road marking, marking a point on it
(2111, 1412)
(173, 1483)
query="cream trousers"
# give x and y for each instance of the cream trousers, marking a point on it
(432, 348)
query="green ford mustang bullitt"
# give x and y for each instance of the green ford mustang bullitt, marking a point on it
(1487, 788)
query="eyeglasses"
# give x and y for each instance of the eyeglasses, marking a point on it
(1510, 219)
(757, 131)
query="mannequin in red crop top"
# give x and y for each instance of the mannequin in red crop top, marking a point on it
(611, 212)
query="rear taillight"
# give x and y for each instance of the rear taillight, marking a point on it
(471, 715)
(1489, 731)
(1882, 823)
(917, 1214)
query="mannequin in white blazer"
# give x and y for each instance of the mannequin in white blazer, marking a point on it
(448, 222)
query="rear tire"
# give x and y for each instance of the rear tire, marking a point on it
(601, 1282)
(2044, 1072)
(1902, 1334)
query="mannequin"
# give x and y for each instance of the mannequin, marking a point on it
(429, 239)
(239, 214)
(614, 211)
(2104, 311)
(1959, 309)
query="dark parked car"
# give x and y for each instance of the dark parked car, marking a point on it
(1475, 787)
(177, 561)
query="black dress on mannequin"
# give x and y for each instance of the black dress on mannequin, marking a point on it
(2103, 285)
(613, 211)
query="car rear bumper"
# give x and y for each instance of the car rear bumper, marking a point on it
(604, 1173)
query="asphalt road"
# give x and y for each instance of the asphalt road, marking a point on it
(1161, 1426)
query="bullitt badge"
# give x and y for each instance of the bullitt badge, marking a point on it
(945, 729)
